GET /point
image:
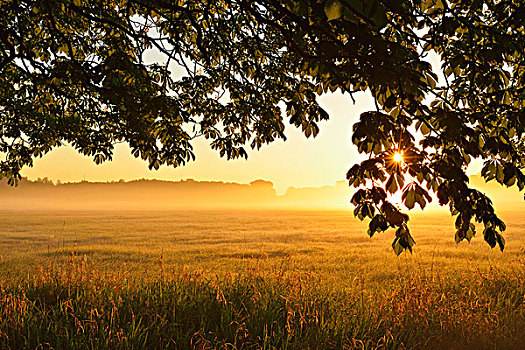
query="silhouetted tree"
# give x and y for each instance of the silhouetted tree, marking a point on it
(78, 72)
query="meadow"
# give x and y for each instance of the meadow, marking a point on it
(253, 279)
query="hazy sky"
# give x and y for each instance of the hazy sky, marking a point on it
(296, 162)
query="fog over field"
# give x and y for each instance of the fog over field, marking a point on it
(191, 194)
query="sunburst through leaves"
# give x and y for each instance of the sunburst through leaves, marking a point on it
(398, 157)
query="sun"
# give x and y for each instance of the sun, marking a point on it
(398, 157)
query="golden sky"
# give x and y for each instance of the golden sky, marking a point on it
(297, 162)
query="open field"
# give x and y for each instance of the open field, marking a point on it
(331, 244)
(253, 279)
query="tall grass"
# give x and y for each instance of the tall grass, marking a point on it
(74, 305)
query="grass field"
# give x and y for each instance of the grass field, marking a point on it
(253, 279)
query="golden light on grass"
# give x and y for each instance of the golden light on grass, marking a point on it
(398, 157)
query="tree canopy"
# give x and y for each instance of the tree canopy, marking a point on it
(77, 72)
